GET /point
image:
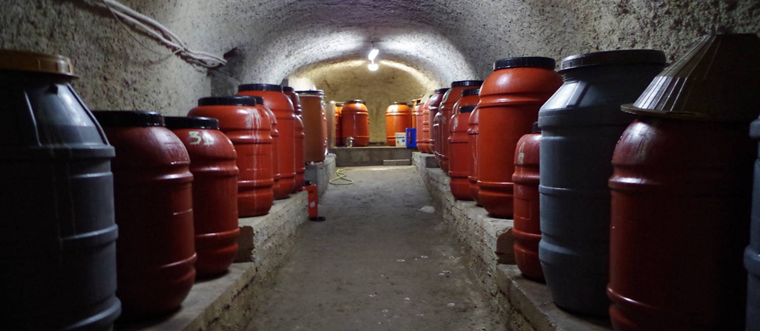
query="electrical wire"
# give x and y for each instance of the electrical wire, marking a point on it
(161, 34)
(340, 176)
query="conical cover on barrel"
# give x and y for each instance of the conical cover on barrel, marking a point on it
(717, 80)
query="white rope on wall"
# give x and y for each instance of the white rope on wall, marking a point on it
(161, 34)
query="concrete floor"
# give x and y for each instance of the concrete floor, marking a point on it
(377, 263)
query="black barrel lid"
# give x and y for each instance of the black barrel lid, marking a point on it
(467, 109)
(228, 101)
(355, 101)
(629, 56)
(260, 87)
(471, 91)
(320, 92)
(465, 83)
(288, 89)
(128, 118)
(400, 103)
(525, 62)
(339, 104)
(441, 90)
(190, 122)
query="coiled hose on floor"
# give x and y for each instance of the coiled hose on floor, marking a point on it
(340, 178)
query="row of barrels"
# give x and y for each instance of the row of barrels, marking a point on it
(112, 210)
(642, 214)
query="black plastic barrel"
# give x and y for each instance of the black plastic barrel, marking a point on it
(580, 125)
(57, 230)
(752, 253)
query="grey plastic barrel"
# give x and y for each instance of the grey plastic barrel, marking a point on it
(752, 253)
(580, 125)
(57, 229)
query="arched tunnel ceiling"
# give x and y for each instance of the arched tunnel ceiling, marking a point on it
(443, 39)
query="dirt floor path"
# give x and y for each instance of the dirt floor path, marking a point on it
(376, 263)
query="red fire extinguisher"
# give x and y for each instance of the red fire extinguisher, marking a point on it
(313, 202)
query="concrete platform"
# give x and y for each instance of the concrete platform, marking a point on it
(227, 302)
(321, 173)
(524, 305)
(370, 155)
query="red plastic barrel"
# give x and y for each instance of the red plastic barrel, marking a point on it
(250, 130)
(338, 124)
(434, 102)
(680, 209)
(153, 197)
(415, 106)
(470, 97)
(283, 110)
(527, 230)
(299, 142)
(355, 122)
(446, 108)
(315, 125)
(215, 173)
(420, 120)
(509, 103)
(472, 132)
(398, 117)
(459, 153)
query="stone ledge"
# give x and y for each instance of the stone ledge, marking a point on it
(524, 305)
(320, 173)
(528, 305)
(370, 155)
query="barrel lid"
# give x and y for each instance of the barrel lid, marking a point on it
(467, 109)
(465, 83)
(717, 80)
(36, 62)
(191, 122)
(628, 56)
(355, 101)
(260, 87)
(339, 104)
(288, 89)
(227, 101)
(441, 90)
(525, 62)
(535, 128)
(471, 91)
(319, 92)
(128, 118)
(400, 103)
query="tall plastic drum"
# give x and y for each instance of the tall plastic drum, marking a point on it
(752, 253)
(460, 153)
(338, 124)
(434, 139)
(509, 102)
(398, 117)
(470, 97)
(527, 230)
(472, 133)
(215, 175)
(250, 130)
(299, 132)
(415, 106)
(422, 114)
(282, 107)
(446, 108)
(681, 192)
(355, 122)
(57, 234)
(580, 126)
(154, 210)
(315, 129)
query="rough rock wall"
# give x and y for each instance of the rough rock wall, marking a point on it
(352, 80)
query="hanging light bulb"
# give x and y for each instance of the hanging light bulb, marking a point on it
(373, 53)
(373, 66)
